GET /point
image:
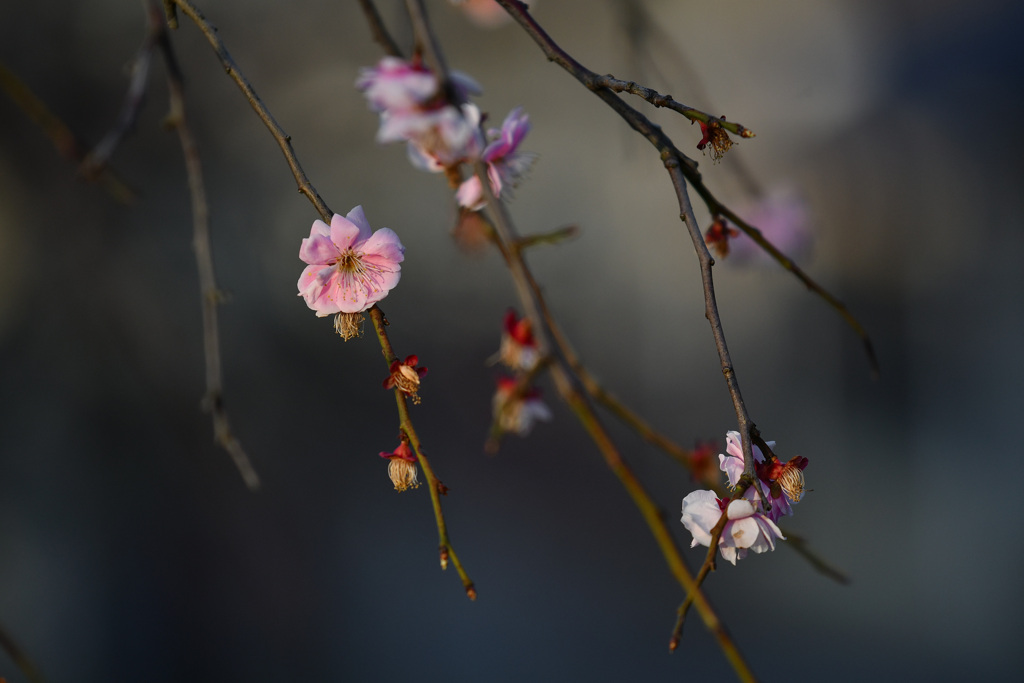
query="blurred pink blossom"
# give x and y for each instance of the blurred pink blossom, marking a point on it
(486, 13)
(350, 267)
(784, 219)
(781, 496)
(505, 166)
(518, 413)
(412, 107)
(746, 528)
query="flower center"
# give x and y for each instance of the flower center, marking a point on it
(350, 263)
(355, 271)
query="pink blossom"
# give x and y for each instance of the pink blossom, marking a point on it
(505, 166)
(784, 219)
(414, 108)
(350, 267)
(781, 497)
(732, 461)
(441, 138)
(746, 528)
(395, 85)
(485, 13)
(518, 413)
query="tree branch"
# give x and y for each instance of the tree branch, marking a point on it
(210, 295)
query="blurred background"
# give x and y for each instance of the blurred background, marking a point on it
(131, 550)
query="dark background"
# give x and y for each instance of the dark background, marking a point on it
(130, 549)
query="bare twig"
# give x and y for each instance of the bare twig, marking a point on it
(306, 188)
(571, 389)
(801, 546)
(96, 161)
(210, 295)
(380, 32)
(664, 145)
(659, 100)
(283, 139)
(717, 207)
(67, 144)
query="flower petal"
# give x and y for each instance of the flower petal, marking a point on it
(358, 218)
(470, 194)
(345, 234)
(350, 295)
(385, 246)
(318, 249)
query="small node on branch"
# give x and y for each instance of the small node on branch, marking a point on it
(471, 592)
(444, 558)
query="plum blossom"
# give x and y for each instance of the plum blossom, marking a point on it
(402, 467)
(518, 413)
(396, 86)
(784, 219)
(746, 528)
(405, 375)
(519, 349)
(782, 484)
(505, 166)
(713, 134)
(485, 13)
(350, 267)
(413, 107)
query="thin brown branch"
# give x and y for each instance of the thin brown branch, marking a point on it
(644, 33)
(717, 207)
(209, 294)
(98, 159)
(380, 32)
(802, 547)
(708, 566)
(435, 486)
(426, 42)
(571, 389)
(664, 145)
(283, 139)
(666, 101)
(62, 137)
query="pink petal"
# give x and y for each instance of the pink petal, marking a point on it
(470, 194)
(319, 228)
(349, 296)
(383, 284)
(345, 233)
(318, 249)
(358, 218)
(385, 246)
(308, 282)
